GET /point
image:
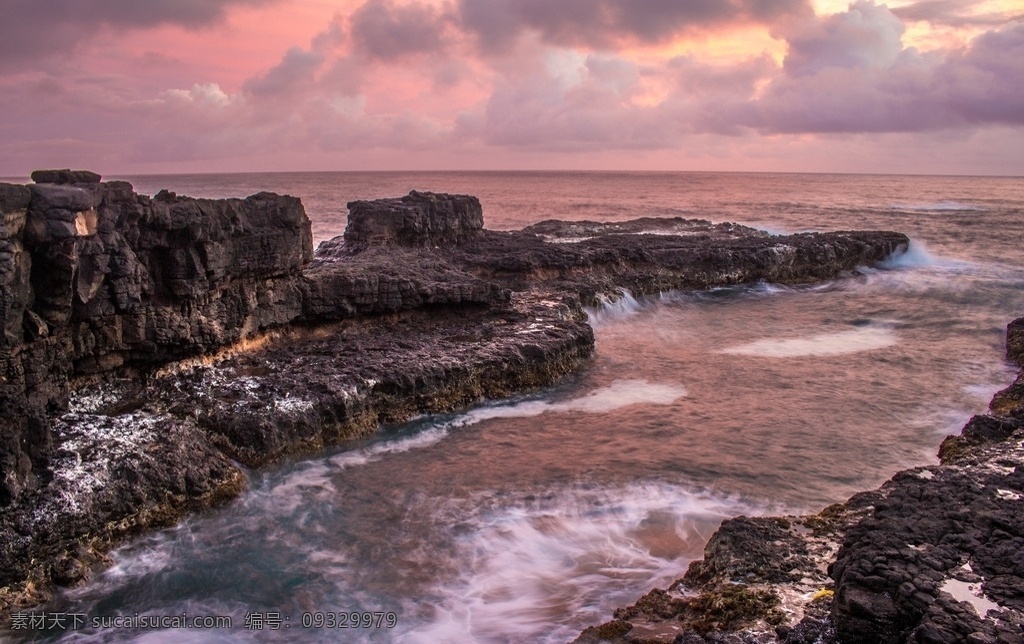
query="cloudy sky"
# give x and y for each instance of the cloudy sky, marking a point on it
(126, 86)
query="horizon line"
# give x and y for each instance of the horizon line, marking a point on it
(116, 175)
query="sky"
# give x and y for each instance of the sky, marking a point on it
(178, 86)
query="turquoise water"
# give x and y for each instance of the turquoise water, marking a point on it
(529, 519)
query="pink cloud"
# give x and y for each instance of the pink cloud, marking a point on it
(219, 86)
(388, 31)
(859, 80)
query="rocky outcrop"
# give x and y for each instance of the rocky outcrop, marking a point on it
(150, 345)
(94, 278)
(934, 555)
(419, 219)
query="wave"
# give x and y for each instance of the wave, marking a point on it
(611, 310)
(539, 568)
(920, 270)
(916, 255)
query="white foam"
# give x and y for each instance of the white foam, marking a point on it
(423, 439)
(309, 482)
(823, 344)
(541, 569)
(619, 394)
(613, 310)
(772, 229)
(312, 480)
(916, 255)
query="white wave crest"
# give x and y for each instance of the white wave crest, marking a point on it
(313, 479)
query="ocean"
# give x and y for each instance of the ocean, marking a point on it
(531, 518)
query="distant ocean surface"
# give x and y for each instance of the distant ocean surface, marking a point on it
(529, 519)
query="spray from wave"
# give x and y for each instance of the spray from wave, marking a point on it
(613, 310)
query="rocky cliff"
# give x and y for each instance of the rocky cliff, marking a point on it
(150, 345)
(94, 278)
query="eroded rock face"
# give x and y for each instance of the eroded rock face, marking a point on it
(151, 342)
(94, 277)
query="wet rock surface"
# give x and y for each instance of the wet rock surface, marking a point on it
(934, 555)
(151, 348)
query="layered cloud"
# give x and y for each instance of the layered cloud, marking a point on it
(607, 23)
(481, 83)
(957, 13)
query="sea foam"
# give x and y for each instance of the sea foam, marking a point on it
(619, 394)
(542, 567)
(822, 344)
(312, 480)
(916, 255)
(613, 310)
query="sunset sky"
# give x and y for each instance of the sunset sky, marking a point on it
(154, 86)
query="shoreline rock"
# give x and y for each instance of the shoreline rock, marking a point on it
(936, 554)
(153, 347)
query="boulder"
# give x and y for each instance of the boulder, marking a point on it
(65, 176)
(419, 219)
(14, 198)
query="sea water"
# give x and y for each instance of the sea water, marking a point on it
(531, 518)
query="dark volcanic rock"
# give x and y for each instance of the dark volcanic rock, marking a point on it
(65, 176)
(424, 219)
(147, 342)
(648, 264)
(112, 476)
(1015, 342)
(94, 277)
(555, 229)
(13, 198)
(340, 284)
(903, 572)
(302, 389)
